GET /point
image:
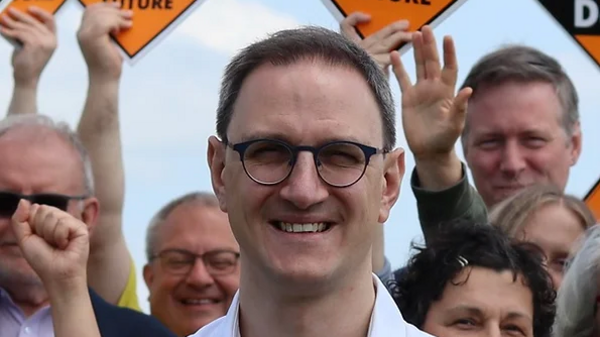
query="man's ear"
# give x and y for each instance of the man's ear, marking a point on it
(216, 163)
(148, 275)
(393, 173)
(576, 143)
(89, 213)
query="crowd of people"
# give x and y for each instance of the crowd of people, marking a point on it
(305, 171)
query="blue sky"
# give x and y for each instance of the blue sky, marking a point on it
(168, 98)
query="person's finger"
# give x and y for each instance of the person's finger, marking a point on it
(461, 102)
(23, 17)
(400, 73)
(394, 41)
(347, 26)
(38, 220)
(450, 70)
(62, 233)
(392, 28)
(44, 17)
(418, 55)
(8, 33)
(126, 14)
(19, 221)
(110, 20)
(9, 22)
(430, 54)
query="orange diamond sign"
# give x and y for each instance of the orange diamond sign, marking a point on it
(384, 12)
(592, 199)
(581, 19)
(152, 21)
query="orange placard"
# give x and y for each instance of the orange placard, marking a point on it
(581, 20)
(384, 12)
(592, 199)
(152, 21)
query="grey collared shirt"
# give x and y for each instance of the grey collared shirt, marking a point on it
(13, 322)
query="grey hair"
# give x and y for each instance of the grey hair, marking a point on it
(576, 300)
(287, 47)
(62, 129)
(203, 198)
(524, 64)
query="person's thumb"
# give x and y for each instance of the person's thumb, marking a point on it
(20, 224)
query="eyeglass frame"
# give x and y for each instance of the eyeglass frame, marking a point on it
(33, 198)
(202, 257)
(241, 147)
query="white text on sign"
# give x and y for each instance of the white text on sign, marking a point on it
(581, 19)
(145, 4)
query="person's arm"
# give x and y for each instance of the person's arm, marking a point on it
(433, 117)
(110, 264)
(436, 207)
(56, 246)
(35, 30)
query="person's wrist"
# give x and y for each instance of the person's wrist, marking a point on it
(65, 289)
(25, 82)
(438, 171)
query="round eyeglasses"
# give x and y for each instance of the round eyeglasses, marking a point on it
(271, 161)
(181, 261)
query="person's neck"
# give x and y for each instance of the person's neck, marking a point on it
(29, 298)
(336, 307)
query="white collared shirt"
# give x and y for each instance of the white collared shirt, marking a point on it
(386, 319)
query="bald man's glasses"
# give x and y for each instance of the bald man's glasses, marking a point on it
(181, 261)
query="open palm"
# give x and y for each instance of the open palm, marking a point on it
(432, 115)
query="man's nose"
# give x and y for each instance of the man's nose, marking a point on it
(304, 188)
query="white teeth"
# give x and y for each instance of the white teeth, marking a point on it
(303, 228)
(199, 302)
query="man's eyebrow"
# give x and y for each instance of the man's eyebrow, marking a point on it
(287, 139)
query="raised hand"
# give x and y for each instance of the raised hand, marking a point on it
(102, 56)
(433, 117)
(36, 31)
(380, 44)
(53, 242)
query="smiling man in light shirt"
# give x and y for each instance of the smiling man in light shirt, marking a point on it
(305, 166)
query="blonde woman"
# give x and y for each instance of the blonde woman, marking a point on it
(547, 217)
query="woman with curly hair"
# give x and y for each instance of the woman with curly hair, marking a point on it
(472, 280)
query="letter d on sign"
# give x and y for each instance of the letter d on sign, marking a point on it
(591, 19)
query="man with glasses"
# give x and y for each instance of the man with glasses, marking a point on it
(192, 271)
(305, 167)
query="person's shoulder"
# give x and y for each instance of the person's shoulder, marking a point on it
(117, 321)
(216, 328)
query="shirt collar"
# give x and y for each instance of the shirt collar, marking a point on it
(386, 319)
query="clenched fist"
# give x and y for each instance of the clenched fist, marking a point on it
(55, 244)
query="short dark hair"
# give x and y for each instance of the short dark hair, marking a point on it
(482, 245)
(524, 64)
(287, 47)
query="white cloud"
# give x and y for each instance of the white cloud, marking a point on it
(228, 25)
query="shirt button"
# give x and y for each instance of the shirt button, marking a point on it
(27, 330)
